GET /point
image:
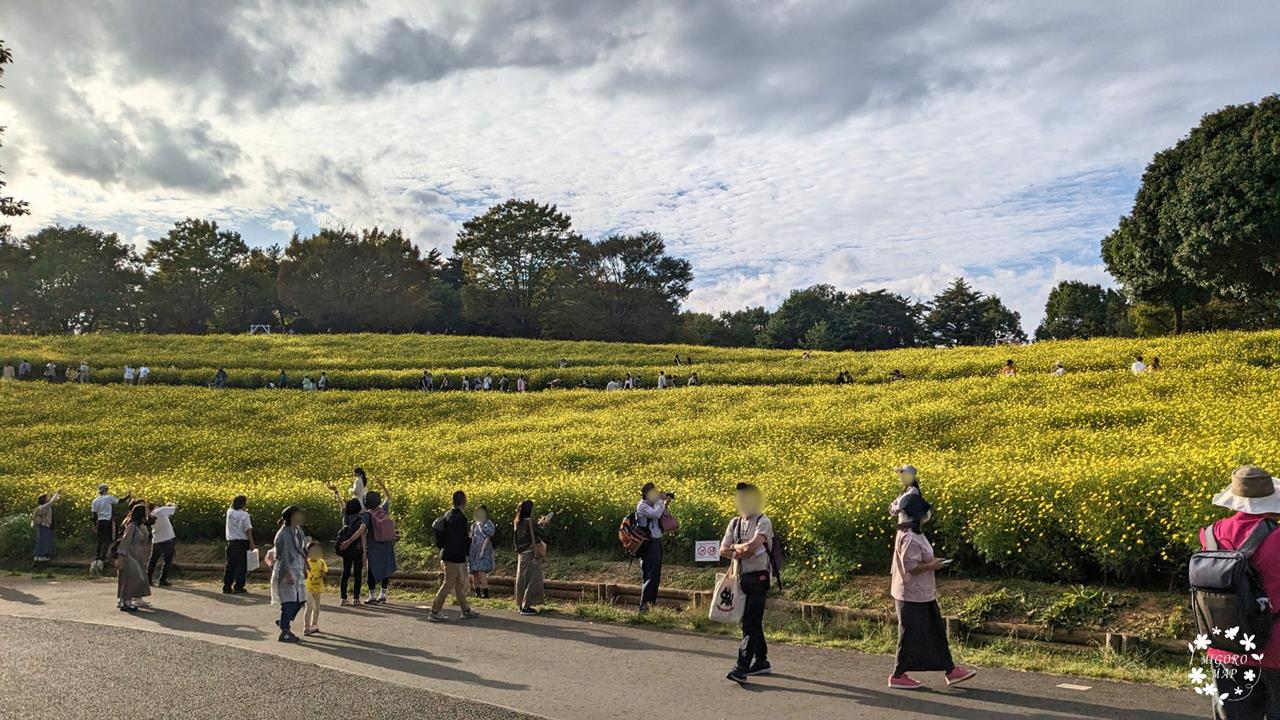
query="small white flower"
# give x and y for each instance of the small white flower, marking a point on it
(1250, 676)
(1231, 634)
(1246, 641)
(1201, 642)
(1196, 676)
(1238, 691)
(1216, 632)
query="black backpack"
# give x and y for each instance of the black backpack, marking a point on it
(352, 550)
(1227, 596)
(438, 528)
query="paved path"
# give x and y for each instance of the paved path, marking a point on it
(555, 667)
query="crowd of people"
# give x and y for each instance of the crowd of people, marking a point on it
(145, 540)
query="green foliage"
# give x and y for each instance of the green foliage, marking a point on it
(960, 315)
(195, 268)
(981, 607)
(16, 539)
(79, 280)
(1077, 310)
(9, 207)
(1080, 607)
(863, 320)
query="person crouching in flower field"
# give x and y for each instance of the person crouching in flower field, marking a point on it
(1253, 496)
(922, 633)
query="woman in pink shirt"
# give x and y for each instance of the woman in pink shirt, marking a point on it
(1254, 495)
(922, 633)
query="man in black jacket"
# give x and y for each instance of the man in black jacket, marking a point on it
(453, 537)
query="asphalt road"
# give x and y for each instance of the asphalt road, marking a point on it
(198, 653)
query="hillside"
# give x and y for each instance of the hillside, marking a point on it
(1056, 477)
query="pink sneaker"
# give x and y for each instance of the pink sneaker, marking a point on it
(904, 682)
(960, 674)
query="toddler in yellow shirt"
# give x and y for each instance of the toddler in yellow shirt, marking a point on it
(316, 570)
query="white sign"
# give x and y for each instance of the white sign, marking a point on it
(706, 551)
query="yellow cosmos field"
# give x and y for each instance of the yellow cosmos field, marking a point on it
(1051, 477)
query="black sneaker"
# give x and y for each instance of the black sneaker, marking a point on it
(165, 583)
(737, 675)
(226, 591)
(528, 611)
(760, 667)
(288, 637)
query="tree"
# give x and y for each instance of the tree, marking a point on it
(80, 280)
(1074, 310)
(802, 310)
(195, 268)
(880, 320)
(629, 289)
(517, 258)
(1227, 206)
(729, 329)
(961, 315)
(251, 297)
(819, 336)
(9, 207)
(14, 283)
(374, 281)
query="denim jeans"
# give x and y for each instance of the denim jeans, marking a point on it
(288, 611)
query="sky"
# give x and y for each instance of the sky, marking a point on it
(774, 144)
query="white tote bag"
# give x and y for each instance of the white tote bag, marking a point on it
(251, 560)
(726, 599)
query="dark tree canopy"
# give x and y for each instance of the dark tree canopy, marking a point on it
(80, 280)
(961, 315)
(1079, 310)
(9, 207)
(196, 268)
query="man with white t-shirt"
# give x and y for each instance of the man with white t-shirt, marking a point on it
(144, 372)
(163, 542)
(239, 535)
(103, 509)
(1138, 367)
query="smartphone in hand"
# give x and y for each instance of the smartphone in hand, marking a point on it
(947, 562)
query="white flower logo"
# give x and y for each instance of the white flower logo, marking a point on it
(1231, 634)
(1202, 641)
(1246, 641)
(1249, 675)
(1196, 676)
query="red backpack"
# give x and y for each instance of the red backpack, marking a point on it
(631, 535)
(384, 528)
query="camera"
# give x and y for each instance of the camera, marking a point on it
(669, 495)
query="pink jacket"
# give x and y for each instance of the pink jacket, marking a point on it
(1231, 533)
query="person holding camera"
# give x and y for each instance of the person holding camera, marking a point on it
(649, 512)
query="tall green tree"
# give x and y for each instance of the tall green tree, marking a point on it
(81, 280)
(344, 282)
(629, 289)
(251, 297)
(14, 285)
(802, 310)
(960, 315)
(195, 268)
(728, 329)
(880, 320)
(9, 207)
(1074, 310)
(518, 258)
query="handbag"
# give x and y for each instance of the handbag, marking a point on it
(668, 523)
(727, 598)
(251, 559)
(539, 547)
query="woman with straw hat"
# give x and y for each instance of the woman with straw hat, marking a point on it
(1254, 498)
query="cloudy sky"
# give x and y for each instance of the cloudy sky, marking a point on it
(776, 144)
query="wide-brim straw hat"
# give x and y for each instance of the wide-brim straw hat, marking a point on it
(1252, 490)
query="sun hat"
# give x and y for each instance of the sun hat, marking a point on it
(1252, 490)
(906, 470)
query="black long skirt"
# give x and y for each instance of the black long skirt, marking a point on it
(922, 638)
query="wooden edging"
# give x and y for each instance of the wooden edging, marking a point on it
(621, 594)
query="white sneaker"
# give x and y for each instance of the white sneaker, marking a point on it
(434, 616)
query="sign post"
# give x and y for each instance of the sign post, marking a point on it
(706, 551)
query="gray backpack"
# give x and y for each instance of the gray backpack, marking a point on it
(1226, 591)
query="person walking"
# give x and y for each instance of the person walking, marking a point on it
(42, 521)
(289, 573)
(649, 512)
(662, 379)
(480, 560)
(1254, 499)
(133, 550)
(453, 537)
(163, 542)
(522, 384)
(128, 374)
(323, 383)
(239, 536)
(24, 370)
(82, 374)
(748, 539)
(144, 374)
(51, 372)
(531, 550)
(317, 568)
(379, 542)
(282, 381)
(103, 511)
(922, 632)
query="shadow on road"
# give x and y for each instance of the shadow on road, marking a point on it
(9, 594)
(186, 623)
(379, 656)
(598, 635)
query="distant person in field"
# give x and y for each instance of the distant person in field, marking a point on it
(1253, 497)
(103, 510)
(289, 572)
(522, 384)
(805, 355)
(282, 381)
(649, 512)
(688, 360)
(308, 383)
(444, 382)
(24, 370)
(220, 378)
(144, 374)
(1155, 365)
(428, 383)
(629, 383)
(380, 542)
(922, 632)
(323, 383)
(10, 372)
(453, 537)
(1009, 369)
(466, 383)
(1059, 369)
(239, 536)
(488, 381)
(82, 374)
(480, 559)
(840, 380)
(563, 363)
(503, 383)
(317, 568)
(70, 375)
(749, 540)
(531, 550)
(894, 376)
(51, 372)
(129, 375)
(662, 379)
(1138, 367)
(132, 552)
(693, 379)
(613, 385)
(42, 522)
(164, 541)
(677, 360)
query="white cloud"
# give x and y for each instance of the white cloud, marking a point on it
(284, 227)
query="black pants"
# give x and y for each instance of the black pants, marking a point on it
(237, 565)
(106, 536)
(161, 551)
(754, 649)
(352, 569)
(1262, 702)
(651, 571)
(373, 583)
(922, 639)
